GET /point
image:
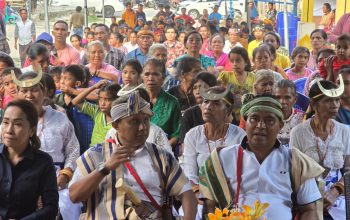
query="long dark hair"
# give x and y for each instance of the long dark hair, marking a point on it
(32, 116)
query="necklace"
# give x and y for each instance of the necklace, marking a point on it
(319, 153)
(222, 136)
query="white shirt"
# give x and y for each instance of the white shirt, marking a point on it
(24, 31)
(131, 47)
(228, 46)
(268, 182)
(58, 138)
(196, 149)
(156, 136)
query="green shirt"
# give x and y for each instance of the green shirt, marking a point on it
(100, 127)
(167, 114)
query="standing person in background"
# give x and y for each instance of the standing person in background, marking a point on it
(145, 41)
(65, 53)
(342, 27)
(215, 17)
(129, 16)
(174, 47)
(252, 11)
(204, 31)
(25, 33)
(132, 43)
(4, 46)
(77, 21)
(271, 13)
(140, 13)
(326, 18)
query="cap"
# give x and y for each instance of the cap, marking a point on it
(144, 32)
(44, 37)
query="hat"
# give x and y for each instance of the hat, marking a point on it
(259, 28)
(144, 32)
(44, 37)
(234, 31)
(133, 105)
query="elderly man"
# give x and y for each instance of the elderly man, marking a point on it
(114, 57)
(159, 52)
(260, 168)
(128, 178)
(145, 40)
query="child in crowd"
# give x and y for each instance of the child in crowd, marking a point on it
(131, 73)
(300, 57)
(89, 38)
(84, 40)
(101, 113)
(241, 78)
(181, 37)
(259, 33)
(55, 72)
(262, 60)
(10, 88)
(329, 67)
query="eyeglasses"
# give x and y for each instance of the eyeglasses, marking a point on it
(145, 37)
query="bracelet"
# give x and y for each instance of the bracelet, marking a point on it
(67, 173)
(339, 186)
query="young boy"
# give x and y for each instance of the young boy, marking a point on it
(101, 113)
(55, 72)
(259, 33)
(9, 87)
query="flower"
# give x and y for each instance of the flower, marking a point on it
(244, 213)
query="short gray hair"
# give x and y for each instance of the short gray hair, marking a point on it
(93, 43)
(155, 47)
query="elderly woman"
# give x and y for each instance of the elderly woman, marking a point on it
(193, 44)
(186, 71)
(216, 45)
(26, 172)
(57, 137)
(98, 68)
(285, 92)
(200, 141)
(327, 142)
(318, 42)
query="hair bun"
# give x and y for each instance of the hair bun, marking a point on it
(247, 98)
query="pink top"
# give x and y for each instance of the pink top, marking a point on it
(5, 100)
(205, 47)
(69, 55)
(108, 69)
(342, 27)
(293, 76)
(223, 60)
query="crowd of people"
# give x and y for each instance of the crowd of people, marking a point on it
(172, 118)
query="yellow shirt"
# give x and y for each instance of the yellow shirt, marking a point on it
(282, 61)
(325, 20)
(238, 89)
(251, 46)
(130, 18)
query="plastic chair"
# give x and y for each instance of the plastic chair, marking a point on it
(300, 84)
(302, 102)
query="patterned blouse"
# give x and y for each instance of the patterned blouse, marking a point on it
(175, 50)
(294, 119)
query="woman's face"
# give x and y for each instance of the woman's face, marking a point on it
(327, 107)
(15, 127)
(217, 44)
(317, 41)
(130, 76)
(96, 55)
(75, 42)
(214, 111)
(182, 38)
(270, 39)
(262, 60)
(194, 43)
(189, 76)
(33, 94)
(287, 98)
(204, 32)
(90, 38)
(238, 63)
(264, 86)
(195, 90)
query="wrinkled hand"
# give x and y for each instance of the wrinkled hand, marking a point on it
(62, 181)
(329, 198)
(328, 64)
(119, 155)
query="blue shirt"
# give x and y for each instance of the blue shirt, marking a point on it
(216, 16)
(138, 55)
(343, 116)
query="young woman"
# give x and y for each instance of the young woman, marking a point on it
(75, 40)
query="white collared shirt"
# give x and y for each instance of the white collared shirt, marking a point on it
(24, 31)
(268, 182)
(228, 46)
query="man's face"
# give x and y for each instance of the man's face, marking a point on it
(216, 9)
(100, 34)
(145, 41)
(140, 8)
(133, 131)
(60, 32)
(24, 14)
(183, 11)
(262, 129)
(170, 34)
(270, 6)
(128, 6)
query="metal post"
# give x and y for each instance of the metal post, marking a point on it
(29, 8)
(225, 8)
(285, 19)
(103, 11)
(248, 16)
(86, 21)
(46, 8)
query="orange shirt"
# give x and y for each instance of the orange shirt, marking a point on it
(130, 18)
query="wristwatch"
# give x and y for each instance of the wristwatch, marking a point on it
(102, 169)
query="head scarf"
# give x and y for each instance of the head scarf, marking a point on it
(133, 105)
(253, 104)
